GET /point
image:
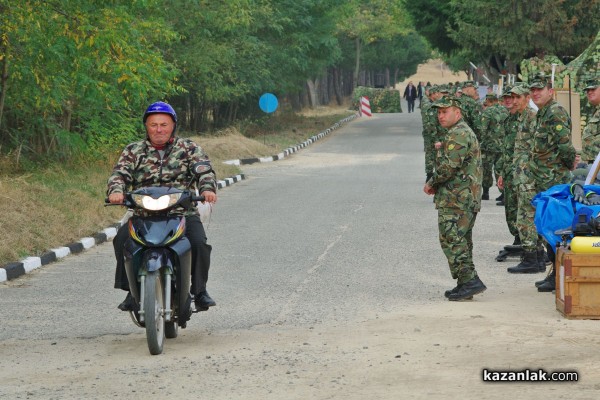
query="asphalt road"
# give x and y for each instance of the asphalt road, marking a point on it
(336, 234)
(339, 229)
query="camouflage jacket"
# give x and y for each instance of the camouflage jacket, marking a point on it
(492, 128)
(458, 175)
(553, 153)
(505, 163)
(471, 111)
(437, 132)
(141, 165)
(523, 145)
(590, 138)
(428, 124)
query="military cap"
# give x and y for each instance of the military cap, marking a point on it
(491, 96)
(519, 90)
(469, 84)
(434, 89)
(592, 83)
(540, 81)
(444, 89)
(506, 90)
(447, 101)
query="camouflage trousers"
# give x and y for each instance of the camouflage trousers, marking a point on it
(496, 160)
(429, 156)
(488, 160)
(530, 240)
(510, 207)
(456, 238)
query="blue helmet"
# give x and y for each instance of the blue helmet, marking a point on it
(160, 107)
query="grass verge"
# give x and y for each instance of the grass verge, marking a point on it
(61, 204)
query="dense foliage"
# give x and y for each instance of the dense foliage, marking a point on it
(76, 75)
(498, 35)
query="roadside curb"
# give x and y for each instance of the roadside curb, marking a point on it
(292, 150)
(14, 270)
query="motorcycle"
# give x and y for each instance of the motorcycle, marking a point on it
(158, 260)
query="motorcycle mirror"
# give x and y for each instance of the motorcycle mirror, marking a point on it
(202, 167)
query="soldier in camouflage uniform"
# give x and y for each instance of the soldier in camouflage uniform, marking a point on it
(432, 130)
(163, 159)
(505, 165)
(590, 138)
(472, 111)
(428, 131)
(522, 154)
(456, 186)
(552, 157)
(492, 135)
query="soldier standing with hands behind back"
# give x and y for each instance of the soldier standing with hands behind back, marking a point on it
(456, 186)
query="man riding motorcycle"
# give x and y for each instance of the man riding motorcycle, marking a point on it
(163, 159)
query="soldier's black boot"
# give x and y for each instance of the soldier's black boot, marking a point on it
(486, 194)
(501, 197)
(467, 290)
(528, 265)
(549, 283)
(541, 258)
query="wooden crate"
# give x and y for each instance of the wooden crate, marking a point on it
(577, 284)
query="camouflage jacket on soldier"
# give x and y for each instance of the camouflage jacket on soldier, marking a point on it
(141, 165)
(428, 125)
(553, 153)
(523, 145)
(471, 111)
(590, 138)
(439, 132)
(458, 175)
(492, 128)
(505, 163)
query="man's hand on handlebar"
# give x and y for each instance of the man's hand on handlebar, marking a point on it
(116, 198)
(209, 196)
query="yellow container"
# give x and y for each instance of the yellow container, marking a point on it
(585, 244)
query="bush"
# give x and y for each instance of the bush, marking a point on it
(381, 100)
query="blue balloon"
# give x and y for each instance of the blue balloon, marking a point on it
(268, 102)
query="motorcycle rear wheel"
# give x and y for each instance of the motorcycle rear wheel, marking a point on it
(154, 318)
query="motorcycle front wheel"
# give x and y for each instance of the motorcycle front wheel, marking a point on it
(154, 317)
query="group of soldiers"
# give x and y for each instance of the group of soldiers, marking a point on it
(523, 137)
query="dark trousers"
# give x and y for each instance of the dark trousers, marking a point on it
(194, 231)
(411, 105)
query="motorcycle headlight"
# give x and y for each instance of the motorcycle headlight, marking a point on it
(151, 204)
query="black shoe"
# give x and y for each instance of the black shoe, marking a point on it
(528, 264)
(468, 290)
(500, 203)
(485, 196)
(128, 304)
(547, 286)
(541, 257)
(517, 241)
(540, 283)
(448, 292)
(203, 301)
(500, 198)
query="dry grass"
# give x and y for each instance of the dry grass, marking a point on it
(60, 204)
(435, 72)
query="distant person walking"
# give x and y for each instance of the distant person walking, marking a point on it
(410, 94)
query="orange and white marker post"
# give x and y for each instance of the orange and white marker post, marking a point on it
(365, 106)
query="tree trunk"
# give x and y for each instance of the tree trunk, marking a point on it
(357, 62)
(387, 78)
(3, 82)
(337, 86)
(312, 95)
